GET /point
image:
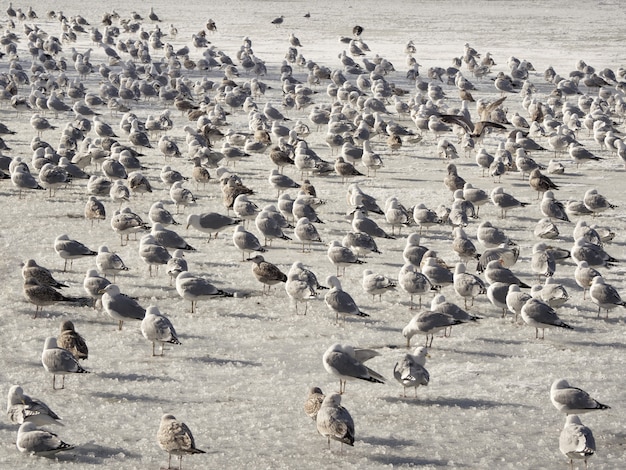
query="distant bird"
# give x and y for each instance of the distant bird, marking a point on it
(410, 371)
(376, 284)
(157, 328)
(333, 421)
(42, 295)
(467, 285)
(175, 438)
(571, 400)
(59, 361)
(576, 440)
(346, 362)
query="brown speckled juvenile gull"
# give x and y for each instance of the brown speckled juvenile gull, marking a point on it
(175, 438)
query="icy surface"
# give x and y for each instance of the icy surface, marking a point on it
(243, 371)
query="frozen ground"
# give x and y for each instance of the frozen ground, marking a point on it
(242, 373)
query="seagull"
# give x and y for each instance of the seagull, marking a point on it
(194, 288)
(35, 441)
(505, 201)
(23, 409)
(376, 284)
(427, 323)
(604, 295)
(539, 314)
(341, 256)
(119, 306)
(174, 437)
(340, 301)
(266, 273)
(59, 361)
(246, 242)
(413, 283)
(41, 274)
(467, 285)
(70, 249)
(576, 440)
(157, 328)
(571, 400)
(410, 371)
(333, 421)
(314, 402)
(71, 340)
(346, 362)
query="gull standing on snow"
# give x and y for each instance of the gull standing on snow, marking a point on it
(552, 208)
(410, 371)
(59, 361)
(31, 440)
(576, 440)
(505, 201)
(339, 301)
(174, 437)
(413, 283)
(346, 362)
(23, 409)
(437, 275)
(595, 202)
(413, 252)
(153, 253)
(246, 242)
(109, 263)
(571, 400)
(584, 275)
(121, 307)
(604, 295)
(41, 274)
(540, 315)
(333, 421)
(515, 300)
(341, 256)
(427, 323)
(194, 288)
(306, 232)
(157, 328)
(490, 236)
(376, 284)
(211, 222)
(266, 273)
(181, 196)
(467, 285)
(70, 249)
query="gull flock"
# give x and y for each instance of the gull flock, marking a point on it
(406, 191)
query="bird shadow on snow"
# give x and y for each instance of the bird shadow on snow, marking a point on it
(226, 362)
(91, 453)
(451, 402)
(127, 397)
(388, 459)
(133, 377)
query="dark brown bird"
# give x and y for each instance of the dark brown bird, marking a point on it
(71, 340)
(540, 182)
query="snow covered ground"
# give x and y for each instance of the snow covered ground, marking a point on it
(242, 373)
